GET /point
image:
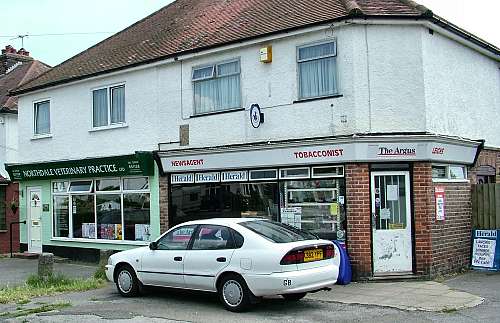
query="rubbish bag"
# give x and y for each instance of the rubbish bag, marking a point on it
(345, 271)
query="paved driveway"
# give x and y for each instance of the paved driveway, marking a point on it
(14, 271)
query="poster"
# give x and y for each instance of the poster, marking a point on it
(483, 253)
(88, 230)
(440, 204)
(385, 214)
(334, 209)
(292, 216)
(142, 232)
(392, 193)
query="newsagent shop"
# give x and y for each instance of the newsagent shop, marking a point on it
(401, 203)
(76, 208)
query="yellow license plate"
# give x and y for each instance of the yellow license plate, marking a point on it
(313, 255)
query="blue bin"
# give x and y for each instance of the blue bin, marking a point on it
(345, 272)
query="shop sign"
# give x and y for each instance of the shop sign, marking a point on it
(212, 177)
(182, 178)
(440, 203)
(235, 176)
(139, 164)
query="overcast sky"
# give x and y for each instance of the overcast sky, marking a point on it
(96, 16)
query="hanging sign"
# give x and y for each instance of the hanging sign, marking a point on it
(256, 117)
(440, 203)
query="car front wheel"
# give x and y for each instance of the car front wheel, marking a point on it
(294, 297)
(234, 293)
(127, 282)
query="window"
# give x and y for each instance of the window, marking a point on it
(212, 237)
(217, 87)
(42, 118)
(277, 232)
(108, 106)
(178, 239)
(102, 209)
(317, 70)
(3, 221)
(263, 174)
(449, 173)
(328, 171)
(295, 173)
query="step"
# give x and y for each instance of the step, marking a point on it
(396, 277)
(25, 255)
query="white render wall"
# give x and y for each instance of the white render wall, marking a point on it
(8, 141)
(462, 90)
(383, 75)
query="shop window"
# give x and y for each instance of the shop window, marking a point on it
(449, 173)
(42, 118)
(317, 70)
(3, 212)
(212, 237)
(327, 171)
(217, 87)
(291, 173)
(177, 239)
(108, 106)
(204, 201)
(108, 213)
(316, 206)
(263, 174)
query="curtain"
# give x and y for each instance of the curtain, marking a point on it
(42, 118)
(317, 77)
(118, 104)
(100, 108)
(205, 96)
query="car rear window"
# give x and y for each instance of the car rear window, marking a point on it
(277, 232)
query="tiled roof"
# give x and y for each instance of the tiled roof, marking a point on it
(191, 25)
(16, 77)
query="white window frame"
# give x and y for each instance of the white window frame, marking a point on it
(321, 42)
(215, 76)
(94, 193)
(35, 107)
(109, 124)
(250, 172)
(281, 176)
(327, 176)
(448, 174)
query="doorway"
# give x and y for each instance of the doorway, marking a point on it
(391, 222)
(34, 222)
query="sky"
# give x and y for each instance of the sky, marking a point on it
(103, 18)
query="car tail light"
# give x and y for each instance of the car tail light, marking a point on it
(303, 254)
(293, 257)
(329, 252)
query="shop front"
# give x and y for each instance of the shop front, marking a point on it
(362, 190)
(83, 206)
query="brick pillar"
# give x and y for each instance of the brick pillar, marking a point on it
(358, 219)
(164, 191)
(422, 213)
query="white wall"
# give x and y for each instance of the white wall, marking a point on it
(8, 141)
(462, 90)
(388, 72)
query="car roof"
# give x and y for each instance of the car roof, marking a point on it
(221, 221)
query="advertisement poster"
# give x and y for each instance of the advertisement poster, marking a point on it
(292, 216)
(142, 232)
(440, 203)
(486, 249)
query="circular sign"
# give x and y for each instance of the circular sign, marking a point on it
(255, 116)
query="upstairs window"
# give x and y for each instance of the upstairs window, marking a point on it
(317, 70)
(217, 87)
(42, 118)
(108, 106)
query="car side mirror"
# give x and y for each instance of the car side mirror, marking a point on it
(153, 245)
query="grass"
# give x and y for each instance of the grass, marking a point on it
(35, 310)
(100, 273)
(36, 287)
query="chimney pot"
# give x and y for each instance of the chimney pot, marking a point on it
(23, 52)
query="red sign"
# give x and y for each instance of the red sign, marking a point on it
(440, 203)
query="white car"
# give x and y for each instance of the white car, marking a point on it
(240, 259)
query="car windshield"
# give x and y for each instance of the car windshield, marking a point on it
(277, 232)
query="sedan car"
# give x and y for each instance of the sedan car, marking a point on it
(240, 259)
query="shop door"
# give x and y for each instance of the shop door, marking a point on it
(34, 220)
(391, 222)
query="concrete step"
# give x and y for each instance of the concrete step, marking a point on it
(396, 277)
(25, 255)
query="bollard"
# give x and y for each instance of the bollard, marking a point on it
(45, 265)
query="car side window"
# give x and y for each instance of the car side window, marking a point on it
(212, 237)
(238, 239)
(177, 239)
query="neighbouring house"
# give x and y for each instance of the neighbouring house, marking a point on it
(16, 67)
(342, 117)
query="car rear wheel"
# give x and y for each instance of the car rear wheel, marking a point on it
(294, 297)
(234, 293)
(127, 282)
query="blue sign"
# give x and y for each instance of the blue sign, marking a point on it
(486, 249)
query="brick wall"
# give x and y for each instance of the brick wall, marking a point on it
(358, 219)
(12, 192)
(163, 204)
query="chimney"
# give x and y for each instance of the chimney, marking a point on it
(10, 57)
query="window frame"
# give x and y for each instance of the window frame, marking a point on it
(109, 88)
(299, 61)
(448, 174)
(94, 193)
(215, 76)
(36, 105)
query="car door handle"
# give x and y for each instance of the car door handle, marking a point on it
(221, 259)
(177, 258)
